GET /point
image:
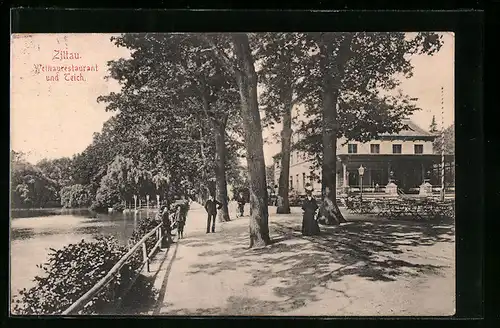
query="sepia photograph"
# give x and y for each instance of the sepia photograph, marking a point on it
(232, 174)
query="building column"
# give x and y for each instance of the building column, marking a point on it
(423, 172)
(388, 172)
(344, 175)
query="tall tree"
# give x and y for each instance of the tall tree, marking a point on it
(30, 187)
(333, 73)
(58, 169)
(241, 64)
(449, 141)
(172, 76)
(284, 63)
(356, 74)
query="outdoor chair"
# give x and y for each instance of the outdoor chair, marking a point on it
(396, 208)
(383, 208)
(357, 205)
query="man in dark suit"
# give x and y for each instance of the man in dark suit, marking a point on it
(211, 206)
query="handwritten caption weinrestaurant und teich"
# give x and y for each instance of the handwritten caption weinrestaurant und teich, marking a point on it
(65, 66)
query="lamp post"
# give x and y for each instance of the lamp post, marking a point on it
(361, 172)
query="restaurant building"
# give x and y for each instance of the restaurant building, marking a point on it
(406, 158)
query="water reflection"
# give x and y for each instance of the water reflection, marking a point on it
(31, 237)
(28, 233)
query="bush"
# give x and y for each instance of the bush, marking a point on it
(75, 196)
(118, 208)
(98, 208)
(144, 225)
(72, 271)
(106, 197)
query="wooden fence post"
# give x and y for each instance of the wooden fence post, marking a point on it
(145, 255)
(160, 237)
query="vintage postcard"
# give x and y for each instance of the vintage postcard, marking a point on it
(233, 174)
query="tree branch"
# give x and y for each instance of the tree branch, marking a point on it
(222, 56)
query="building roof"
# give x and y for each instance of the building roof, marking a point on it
(412, 130)
(393, 157)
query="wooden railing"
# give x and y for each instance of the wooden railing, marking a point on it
(141, 244)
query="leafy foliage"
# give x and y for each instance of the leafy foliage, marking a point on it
(72, 271)
(144, 225)
(270, 175)
(369, 101)
(30, 187)
(449, 141)
(75, 196)
(174, 115)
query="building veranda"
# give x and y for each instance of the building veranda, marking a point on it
(405, 159)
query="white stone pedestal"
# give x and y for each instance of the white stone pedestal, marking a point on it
(391, 189)
(425, 189)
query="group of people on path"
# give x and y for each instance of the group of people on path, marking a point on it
(181, 207)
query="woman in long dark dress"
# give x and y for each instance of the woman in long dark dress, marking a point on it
(309, 206)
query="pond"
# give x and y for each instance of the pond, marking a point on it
(32, 237)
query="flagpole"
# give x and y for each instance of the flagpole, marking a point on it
(442, 145)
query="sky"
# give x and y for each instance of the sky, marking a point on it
(51, 119)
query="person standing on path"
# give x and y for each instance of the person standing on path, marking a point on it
(211, 206)
(183, 206)
(240, 199)
(309, 224)
(163, 216)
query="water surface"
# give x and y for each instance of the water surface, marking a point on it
(32, 237)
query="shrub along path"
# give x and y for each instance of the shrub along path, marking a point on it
(364, 267)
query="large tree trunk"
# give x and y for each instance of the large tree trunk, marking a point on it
(220, 172)
(204, 190)
(333, 71)
(247, 83)
(286, 136)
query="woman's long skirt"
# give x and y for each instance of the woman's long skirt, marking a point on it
(309, 225)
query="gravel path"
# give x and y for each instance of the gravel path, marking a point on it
(362, 268)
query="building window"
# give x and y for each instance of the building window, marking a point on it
(297, 177)
(419, 149)
(304, 179)
(375, 148)
(291, 182)
(352, 148)
(396, 149)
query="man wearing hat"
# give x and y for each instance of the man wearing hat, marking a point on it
(211, 206)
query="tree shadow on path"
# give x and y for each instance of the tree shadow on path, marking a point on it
(299, 269)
